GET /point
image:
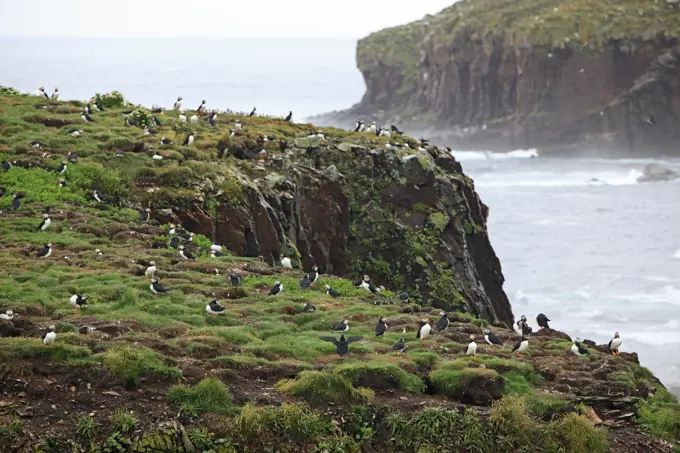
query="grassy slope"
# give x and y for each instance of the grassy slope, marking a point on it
(143, 344)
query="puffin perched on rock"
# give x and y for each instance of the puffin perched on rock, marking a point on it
(577, 349)
(521, 327)
(443, 322)
(492, 338)
(214, 308)
(615, 343)
(286, 263)
(78, 301)
(542, 321)
(342, 345)
(380, 328)
(471, 347)
(403, 297)
(521, 346)
(276, 289)
(424, 330)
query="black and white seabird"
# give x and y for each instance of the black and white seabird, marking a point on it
(342, 326)
(150, 269)
(55, 95)
(193, 119)
(6, 314)
(174, 242)
(178, 103)
(42, 93)
(6, 165)
(286, 263)
(36, 144)
(88, 109)
(615, 343)
(424, 330)
(62, 167)
(148, 131)
(16, 202)
(189, 140)
(313, 275)
(131, 122)
(342, 345)
(380, 328)
(289, 116)
(521, 327)
(144, 215)
(76, 133)
(359, 126)
(156, 156)
(366, 284)
(234, 279)
(542, 321)
(253, 112)
(308, 308)
(471, 347)
(577, 349)
(62, 182)
(186, 254)
(216, 254)
(382, 132)
(45, 224)
(50, 336)
(99, 196)
(403, 297)
(276, 289)
(492, 338)
(214, 308)
(237, 125)
(157, 288)
(71, 157)
(201, 107)
(651, 119)
(373, 128)
(156, 122)
(399, 345)
(86, 117)
(305, 283)
(78, 301)
(332, 292)
(521, 346)
(443, 322)
(182, 117)
(45, 251)
(396, 130)
(166, 141)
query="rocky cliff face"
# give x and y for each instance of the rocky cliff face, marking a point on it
(550, 74)
(410, 221)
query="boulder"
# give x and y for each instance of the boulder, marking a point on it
(657, 172)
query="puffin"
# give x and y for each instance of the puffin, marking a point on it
(289, 116)
(396, 130)
(150, 269)
(45, 224)
(216, 254)
(403, 297)
(399, 345)
(276, 289)
(55, 95)
(521, 346)
(366, 284)
(72, 157)
(50, 336)
(178, 103)
(36, 144)
(359, 126)
(234, 279)
(521, 327)
(615, 343)
(78, 301)
(6, 165)
(41, 93)
(314, 275)
(332, 292)
(342, 345)
(157, 288)
(308, 308)
(237, 125)
(6, 315)
(174, 242)
(254, 111)
(215, 308)
(62, 167)
(16, 202)
(342, 326)
(130, 122)
(201, 107)
(45, 251)
(443, 322)
(424, 330)
(186, 254)
(86, 117)
(166, 141)
(148, 131)
(172, 230)
(189, 140)
(577, 349)
(373, 128)
(492, 338)
(193, 119)
(100, 197)
(62, 182)
(380, 328)
(382, 132)
(542, 321)
(216, 247)
(182, 117)
(305, 283)
(471, 347)
(144, 215)
(76, 133)
(286, 263)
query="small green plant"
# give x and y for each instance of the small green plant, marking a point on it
(143, 117)
(201, 438)
(294, 423)
(112, 100)
(578, 435)
(129, 365)
(9, 428)
(124, 421)
(209, 395)
(85, 426)
(321, 386)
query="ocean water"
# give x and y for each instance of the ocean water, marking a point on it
(579, 240)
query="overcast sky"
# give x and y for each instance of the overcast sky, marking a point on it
(209, 18)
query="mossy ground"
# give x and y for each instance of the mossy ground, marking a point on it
(132, 359)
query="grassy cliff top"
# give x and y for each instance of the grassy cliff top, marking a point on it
(133, 369)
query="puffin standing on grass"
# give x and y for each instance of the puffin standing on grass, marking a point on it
(286, 263)
(50, 336)
(521, 346)
(214, 308)
(78, 301)
(342, 326)
(399, 345)
(16, 202)
(186, 254)
(342, 345)
(157, 288)
(6, 315)
(443, 322)
(305, 283)
(178, 103)
(45, 224)
(86, 117)
(234, 279)
(314, 275)
(55, 95)
(76, 133)
(62, 167)
(144, 215)
(289, 116)
(215, 254)
(100, 197)
(471, 347)
(542, 321)
(424, 330)
(45, 251)
(332, 292)
(614, 344)
(189, 140)
(150, 269)
(308, 308)
(276, 289)
(492, 338)
(577, 349)
(253, 112)
(366, 284)
(381, 328)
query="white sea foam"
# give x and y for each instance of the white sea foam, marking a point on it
(676, 255)
(487, 155)
(668, 294)
(574, 179)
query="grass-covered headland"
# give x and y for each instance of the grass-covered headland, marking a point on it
(143, 372)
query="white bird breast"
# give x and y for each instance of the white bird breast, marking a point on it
(523, 346)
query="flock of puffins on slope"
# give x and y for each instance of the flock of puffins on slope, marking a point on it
(181, 240)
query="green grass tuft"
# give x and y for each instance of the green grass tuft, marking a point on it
(322, 386)
(209, 395)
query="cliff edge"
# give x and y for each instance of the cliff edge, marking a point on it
(550, 74)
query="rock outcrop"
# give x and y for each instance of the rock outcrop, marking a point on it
(569, 76)
(656, 172)
(412, 222)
